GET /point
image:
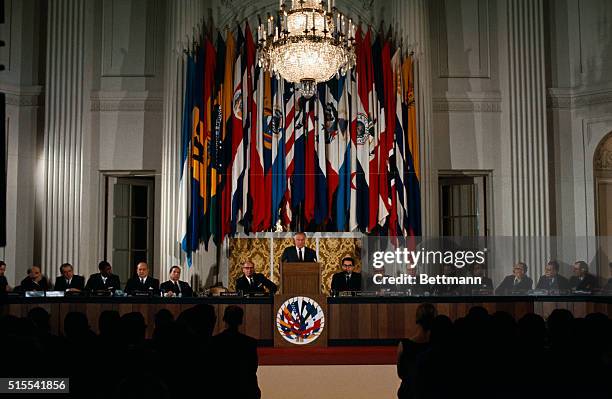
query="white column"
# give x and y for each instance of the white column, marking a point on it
(528, 136)
(411, 19)
(63, 144)
(21, 81)
(182, 18)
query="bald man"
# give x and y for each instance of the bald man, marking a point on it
(142, 282)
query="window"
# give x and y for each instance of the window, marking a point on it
(130, 224)
(463, 207)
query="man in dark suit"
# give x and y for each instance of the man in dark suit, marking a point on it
(582, 280)
(347, 279)
(68, 281)
(252, 282)
(552, 280)
(4, 286)
(142, 282)
(235, 354)
(478, 270)
(105, 280)
(299, 252)
(516, 282)
(175, 286)
(35, 280)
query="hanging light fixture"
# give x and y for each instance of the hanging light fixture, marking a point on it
(307, 44)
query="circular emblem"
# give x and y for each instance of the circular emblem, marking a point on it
(300, 320)
(364, 125)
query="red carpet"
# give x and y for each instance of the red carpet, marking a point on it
(327, 356)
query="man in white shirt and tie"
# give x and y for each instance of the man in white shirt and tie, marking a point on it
(252, 282)
(68, 281)
(142, 282)
(174, 286)
(299, 252)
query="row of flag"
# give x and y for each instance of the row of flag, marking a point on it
(255, 153)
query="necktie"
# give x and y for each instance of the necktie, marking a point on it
(301, 255)
(142, 280)
(176, 287)
(67, 283)
(251, 282)
(516, 282)
(348, 279)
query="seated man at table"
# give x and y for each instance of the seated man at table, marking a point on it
(142, 282)
(478, 270)
(347, 279)
(175, 286)
(582, 280)
(35, 281)
(4, 285)
(299, 252)
(68, 281)
(252, 282)
(105, 280)
(517, 281)
(552, 280)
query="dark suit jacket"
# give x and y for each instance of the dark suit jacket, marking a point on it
(27, 284)
(290, 255)
(150, 284)
(507, 286)
(339, 282)
(184, 288)
(235, 354)
(558, 283)
(76, 282)
(95, 283)
(3, 284)
(259, 282)
(588, 283)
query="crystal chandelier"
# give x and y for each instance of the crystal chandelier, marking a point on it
(308, 44)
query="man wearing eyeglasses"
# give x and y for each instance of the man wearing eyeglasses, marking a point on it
(582, 280)
(516, 282)
(252, 282)
(347, 279)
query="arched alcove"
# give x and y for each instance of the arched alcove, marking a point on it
(602, 172)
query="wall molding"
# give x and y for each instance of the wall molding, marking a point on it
(26, 96)
(570, 99)
(122, 101)
(467, 104)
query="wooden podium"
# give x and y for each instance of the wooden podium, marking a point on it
(300, 279)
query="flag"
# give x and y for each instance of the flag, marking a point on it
(227, 148)
(298, 182)
(309, 162)
(330, 128)
(196, 215)
(399, 206)
(290, 100)
(361, 137)
(216, 144)
(183, 228)
(254, 159)
(239, 137)
(265, 208)
(208, 131)
(325, 126)
(279, 175)
(412, 175)
(342, 201)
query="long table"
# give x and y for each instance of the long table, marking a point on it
(351, 320)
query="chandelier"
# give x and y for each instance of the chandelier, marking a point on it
(307, 44)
